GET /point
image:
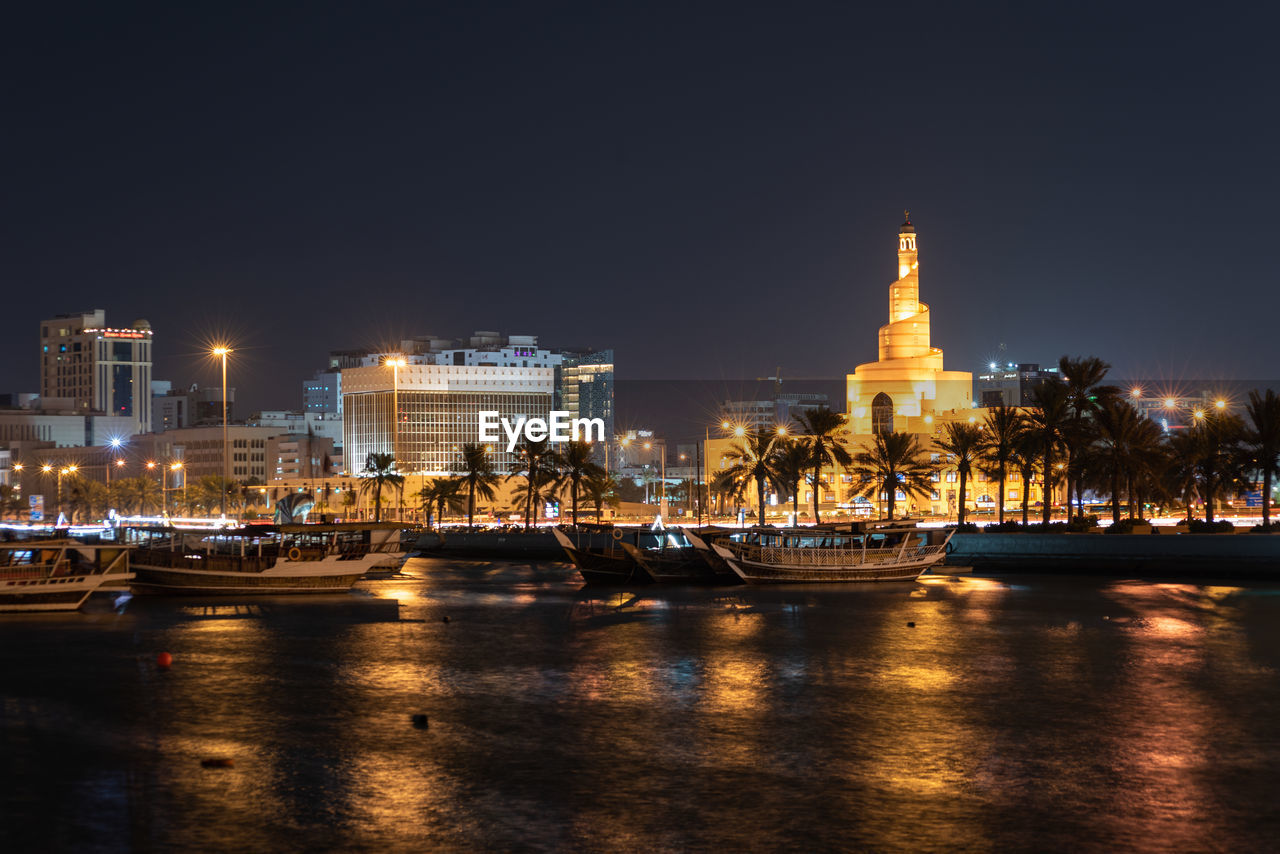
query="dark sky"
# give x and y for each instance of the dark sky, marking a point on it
(712, 190)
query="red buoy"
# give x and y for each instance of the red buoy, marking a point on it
(164, 659)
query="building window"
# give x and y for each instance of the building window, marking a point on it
(882, 414)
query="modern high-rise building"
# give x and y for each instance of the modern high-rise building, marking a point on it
(584, 387)
(97, 367)
(323, 393)
(577, 381)
(1010, 384)
(196, 406)
(423, 414)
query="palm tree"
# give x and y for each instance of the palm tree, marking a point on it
(476, 471)
(997, 446)
(537, 459)
(599, 489)
(380, 472)
(1083, 377)
(1048, 419)
(960, 441)
(442, 494)
(576, 463)
(754, 459)
(821, 428)
(1026, 457)
(1211, 457)
(1262, 439)
(793, 466)
(1115, 448)
(891, 462)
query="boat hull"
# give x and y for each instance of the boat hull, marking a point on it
(54, 594)
(331, 575)
(753, 572)
(603, 567)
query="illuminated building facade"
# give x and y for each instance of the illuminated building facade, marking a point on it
(439, 410)
(97, 367)
(907, 386)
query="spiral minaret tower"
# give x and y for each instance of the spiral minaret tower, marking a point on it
(908, 381)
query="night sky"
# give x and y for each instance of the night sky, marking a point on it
(712, 191)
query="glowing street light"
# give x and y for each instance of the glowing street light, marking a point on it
(1220, 403)
(1170, 403)
(781, 431)
(177, 466)
(739, 431)
(1199, 413)
(1135, 392)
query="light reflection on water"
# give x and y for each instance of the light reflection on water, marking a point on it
(1042, 714)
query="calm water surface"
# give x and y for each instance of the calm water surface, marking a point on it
(1018, 714)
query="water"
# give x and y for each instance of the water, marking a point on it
(1031, 713)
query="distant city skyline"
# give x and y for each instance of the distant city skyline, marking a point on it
(716, 208)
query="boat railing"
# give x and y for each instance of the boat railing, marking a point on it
(789, 556)
(165, 558)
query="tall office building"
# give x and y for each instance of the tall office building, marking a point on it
(96, 367)
(584, 387)
(422, 414)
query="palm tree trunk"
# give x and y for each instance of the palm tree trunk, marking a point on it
(1115, 493)
(795, 504)
(528, 499)
(1266, 499)
(1046, 492)
(817, 479)
(964, 479)
(889, 493)
(573, 495)
(760, 495)
(1000, 490)
(1070, 484)
(1026, 498)
(471, 503)
(1208, 494)
(377, 502)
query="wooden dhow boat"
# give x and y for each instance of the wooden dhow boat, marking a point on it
(58, 574)
(857, 552)
(259, 559)
(609, 565)
(638, 555)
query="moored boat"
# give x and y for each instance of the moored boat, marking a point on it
(259, 559)
(57, 575)
(609, 565)
(838, 553)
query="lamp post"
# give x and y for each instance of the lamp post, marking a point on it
(64, 470)
(222, 352)
(662, 490)
(151, 466)
(176, 467)
(113, 445)
(396, 363)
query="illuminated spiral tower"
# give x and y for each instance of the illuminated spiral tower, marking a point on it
(907, 385)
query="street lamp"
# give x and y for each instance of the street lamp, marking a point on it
(113, 445)
(395, 363)
(72, 469)
(222, 352)
(151, 466)
(177, 466)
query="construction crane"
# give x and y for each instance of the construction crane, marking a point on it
(776, 379)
